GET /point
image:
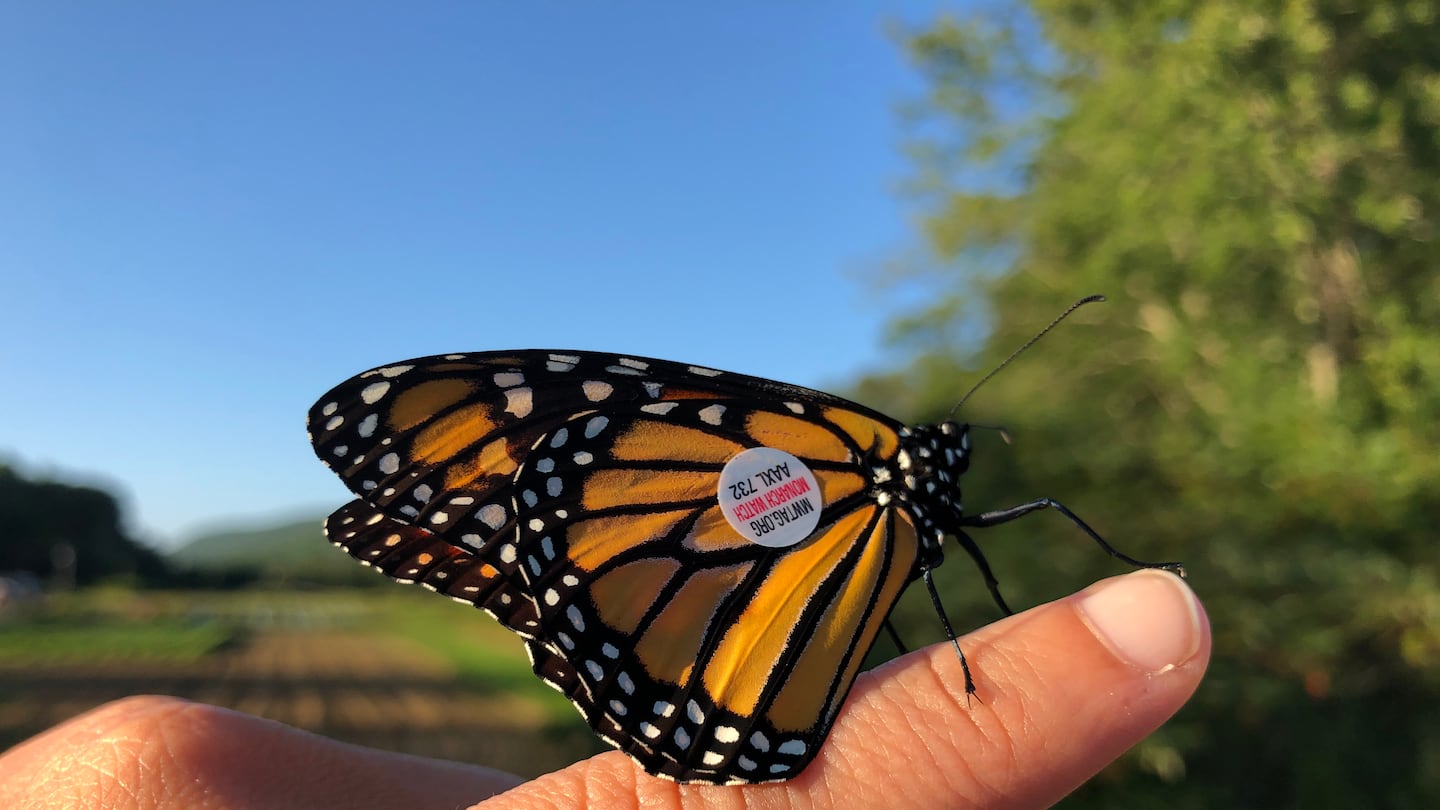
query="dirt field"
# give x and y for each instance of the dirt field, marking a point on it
(370, 688)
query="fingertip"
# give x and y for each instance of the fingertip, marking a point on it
(1149, 619)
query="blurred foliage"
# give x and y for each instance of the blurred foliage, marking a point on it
(97, 643)
(68, 533)
(1255, 186)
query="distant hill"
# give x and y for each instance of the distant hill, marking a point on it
(288, 551)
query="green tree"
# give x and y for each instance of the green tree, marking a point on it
(69, 533)
(1255, 186)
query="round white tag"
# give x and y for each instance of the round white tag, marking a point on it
(770, 497)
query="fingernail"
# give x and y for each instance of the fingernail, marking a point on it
(1150, 619)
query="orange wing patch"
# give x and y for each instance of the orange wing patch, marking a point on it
(497, 458)
(443, 438)
(671, 645)
(651, 440)
(624, 595)
(835, 485)
(873, 437)
(738, 671)
(420, 403)
(592, 541)
(605, 489)
(712, 532)
(816, 684)
(795, 435)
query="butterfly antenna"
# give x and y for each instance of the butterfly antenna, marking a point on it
(1089, 299)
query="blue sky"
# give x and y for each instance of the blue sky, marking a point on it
(211, 213)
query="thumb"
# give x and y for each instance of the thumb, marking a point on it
(1067, 687)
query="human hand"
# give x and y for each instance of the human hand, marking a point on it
(1067, 687)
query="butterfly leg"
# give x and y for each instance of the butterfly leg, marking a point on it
(1006, 515)
(949, 631)
(967, 543)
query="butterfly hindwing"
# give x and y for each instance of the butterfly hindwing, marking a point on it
(409, 553)
(721, 658)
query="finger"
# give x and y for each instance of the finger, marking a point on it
(1064, 689)
(168, 753)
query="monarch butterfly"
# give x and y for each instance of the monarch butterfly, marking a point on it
(699, 560)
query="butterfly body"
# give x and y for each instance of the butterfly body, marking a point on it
(705, 616)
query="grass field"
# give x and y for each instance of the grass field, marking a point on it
(391, 668)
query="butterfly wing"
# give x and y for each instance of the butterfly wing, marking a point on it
(715, 658)
(410, 554)
(588, 482)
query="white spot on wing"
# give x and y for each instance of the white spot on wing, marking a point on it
(519, 402)
(367, 425)
(389, 463)
(492, 515)
(711, 415)
(372, 393)
(508, 379)
(596, 390)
